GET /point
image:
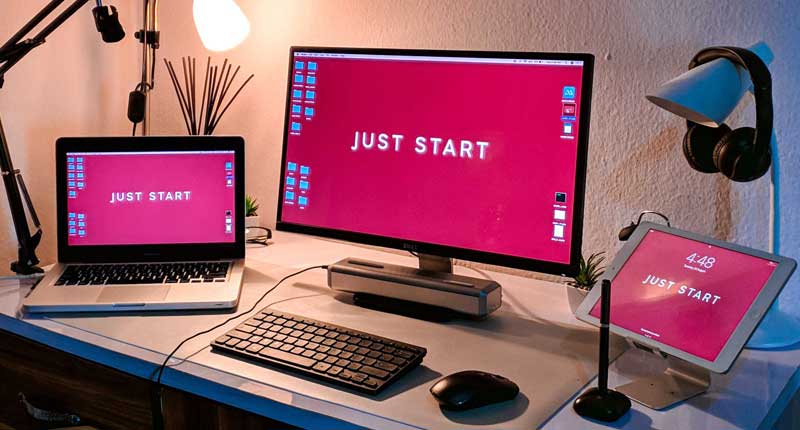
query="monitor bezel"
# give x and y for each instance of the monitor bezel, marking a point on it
(155, 252)
(543, 266)
(744, 329)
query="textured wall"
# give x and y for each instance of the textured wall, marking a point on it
(635, 161)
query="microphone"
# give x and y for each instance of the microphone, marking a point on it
(106, 19)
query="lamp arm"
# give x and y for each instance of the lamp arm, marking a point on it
(11, 52)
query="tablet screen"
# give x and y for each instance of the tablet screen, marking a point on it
(684, 293)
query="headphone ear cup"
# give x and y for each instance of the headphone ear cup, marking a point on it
(698, 146)
(735, 156)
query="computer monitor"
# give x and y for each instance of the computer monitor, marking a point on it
(472, 155)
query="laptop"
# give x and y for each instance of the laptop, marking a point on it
(146, 223)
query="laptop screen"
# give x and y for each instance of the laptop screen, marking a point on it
(150, 198)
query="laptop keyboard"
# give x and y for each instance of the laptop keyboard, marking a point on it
(144, 273)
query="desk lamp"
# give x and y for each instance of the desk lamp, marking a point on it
(705, 96)
(221, 25)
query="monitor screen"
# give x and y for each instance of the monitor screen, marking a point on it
(471, 155)
(699, 292)
(150, 198)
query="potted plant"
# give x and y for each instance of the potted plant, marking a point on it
(589, 272)
(250, 216)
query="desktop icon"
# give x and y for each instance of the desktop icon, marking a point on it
(303, 185)
(302, 201)
(310, 95)
(295, 126)
(296, 109)
(309, 111)
(568, 109)
(567, 128)
(568, 93)
(558, 231)
(299, 65)
(298, 78)
(290, 181)
(305, 170)
(291, 166)
(290, 196)
(561, 197)
(297, 94)
(311, 80)
(228, 165)
(312, 65)
(559, 215)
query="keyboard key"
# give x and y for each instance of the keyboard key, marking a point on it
(308, 353)
(322, 367)
(368, 361)
(222, 339)
(254, 348)
(286, 357)
(371, 382)
(335, 370)
(342, 362)
(319, 356)
(378, 373)
(354, 366)
(240, 335)
(242, 345)
(386, 366)
(286, 347)
(298, 350)
(246, 328)
(330, 359)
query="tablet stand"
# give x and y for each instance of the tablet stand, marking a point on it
(680, 381)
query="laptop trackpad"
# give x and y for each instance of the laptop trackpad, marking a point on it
(133, 294)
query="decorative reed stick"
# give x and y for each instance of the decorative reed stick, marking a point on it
(202, 116)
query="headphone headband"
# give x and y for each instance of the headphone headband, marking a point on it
(762, 87)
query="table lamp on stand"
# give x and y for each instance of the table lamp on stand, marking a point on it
(705, 95)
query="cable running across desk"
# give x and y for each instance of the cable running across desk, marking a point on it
(241, 314)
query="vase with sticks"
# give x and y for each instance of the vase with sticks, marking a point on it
(202, 115)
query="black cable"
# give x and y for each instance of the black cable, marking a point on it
(252, 308)
(261, 239)
(133, 133)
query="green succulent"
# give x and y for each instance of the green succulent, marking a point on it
(589, 271)
(250, 206)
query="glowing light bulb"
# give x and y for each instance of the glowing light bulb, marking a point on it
(221, 24)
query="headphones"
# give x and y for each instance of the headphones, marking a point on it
(743, 154)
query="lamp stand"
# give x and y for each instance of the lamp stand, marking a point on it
(778, 328)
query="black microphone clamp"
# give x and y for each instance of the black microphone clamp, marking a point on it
(106, 19)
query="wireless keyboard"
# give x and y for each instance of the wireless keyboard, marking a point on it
(331, 353)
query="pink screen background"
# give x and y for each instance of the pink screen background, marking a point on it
(201, 219)
(678, 320)
(502, 204)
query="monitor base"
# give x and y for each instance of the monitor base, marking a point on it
(428, 294)
(679, 382)
(405, 308)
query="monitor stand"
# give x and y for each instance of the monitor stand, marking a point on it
(431, 292)
(680, 381)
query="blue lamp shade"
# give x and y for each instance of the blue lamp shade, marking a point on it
(708, 93)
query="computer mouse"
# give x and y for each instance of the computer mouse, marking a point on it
(472, 389)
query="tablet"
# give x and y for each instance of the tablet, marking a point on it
(690, 296)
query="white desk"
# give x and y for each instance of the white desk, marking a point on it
(534, 328)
